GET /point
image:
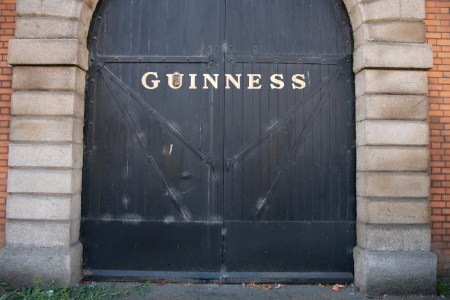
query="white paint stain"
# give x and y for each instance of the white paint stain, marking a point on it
(260, 203)
(133, 219)
(169, 219)
(125, 201)
(106, 217)
(170, 149)
(216, 219)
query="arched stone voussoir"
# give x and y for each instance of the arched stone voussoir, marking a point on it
(47, 19)
(363, 12)
(85, 17)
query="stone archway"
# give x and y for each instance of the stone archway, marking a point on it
(390, 61)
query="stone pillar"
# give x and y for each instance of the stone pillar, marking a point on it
(390, 62)
(50, 60)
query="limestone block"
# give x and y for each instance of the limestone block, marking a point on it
(48, 52)
(391, 107)
(356, 17)
(20, 264)
(381, 10)
(412, 9)
(390, 31)
(46, 155)
(85, 18)
(43, 207)
(388, 237)
(45, 181)
(60, 8)
(47, 104)
(372, 81)
(395, 273)
(373, 158)
(46, 28)
(393, 56)
(396, 133)
(49, 78)
(393, 211)
(51, 129)
(42, 233)
(387, 10)
(349, 4)
(390, 184)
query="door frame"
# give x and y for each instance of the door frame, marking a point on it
(393, 249)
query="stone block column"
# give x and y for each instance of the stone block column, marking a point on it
(390, 62)
(50, 60)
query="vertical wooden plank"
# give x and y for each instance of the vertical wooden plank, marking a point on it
(256, 194)
(246, 104)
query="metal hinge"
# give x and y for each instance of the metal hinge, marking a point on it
(212, 61)
(211, 163)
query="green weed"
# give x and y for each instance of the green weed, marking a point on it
(78, 292)
(443, 288)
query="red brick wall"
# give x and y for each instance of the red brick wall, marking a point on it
(438, 35)
(7, 25)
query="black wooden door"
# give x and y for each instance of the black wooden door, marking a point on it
(289, 187)
(195, 176)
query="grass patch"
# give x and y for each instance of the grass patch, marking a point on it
(443, 288)
(78, 292)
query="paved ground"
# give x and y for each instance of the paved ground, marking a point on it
(238, 292)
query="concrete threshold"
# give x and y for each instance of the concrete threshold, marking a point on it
(171, 291)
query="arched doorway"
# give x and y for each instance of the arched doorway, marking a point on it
(219, 141)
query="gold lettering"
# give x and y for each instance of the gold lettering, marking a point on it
(213, 81)
(175, 81)
(252, 80)
(277, 81)
(192, 86)
(229, 78)
(154, 82)
(301, 82)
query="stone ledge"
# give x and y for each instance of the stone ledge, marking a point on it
(51, 78)
(61, 8)
(387, 10)
(44, 181)
(46, 28)
(38, 103)
(385, 158)
(43, 233)
(19, 265)
(43, 207)
(392, 185)
(391, 32)
(395, 273)
(48, 52)
(47, 129)
(397, 82)
(393, 56)
(391, 107)
(46, 155)
(393, 211)
(393, 237)
(392, 133)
